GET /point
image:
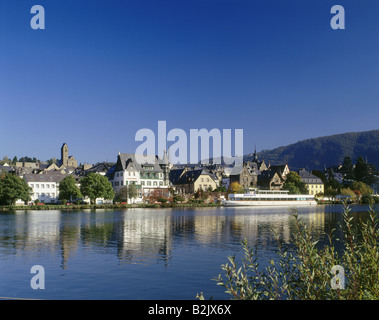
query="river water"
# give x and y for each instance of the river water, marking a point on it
(150, 254)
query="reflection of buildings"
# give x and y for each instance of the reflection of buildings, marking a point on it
(256, 225)
(257, 229)
(38, 231)
(146, 235)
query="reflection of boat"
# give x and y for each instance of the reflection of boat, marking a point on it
(256, 197)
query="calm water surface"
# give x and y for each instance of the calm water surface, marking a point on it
(139, 253)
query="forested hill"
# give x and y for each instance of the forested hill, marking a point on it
(326, 151)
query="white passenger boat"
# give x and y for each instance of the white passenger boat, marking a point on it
(256, 197)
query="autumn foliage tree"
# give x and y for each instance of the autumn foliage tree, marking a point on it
(235, 187)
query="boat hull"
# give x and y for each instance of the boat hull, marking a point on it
(233, 203)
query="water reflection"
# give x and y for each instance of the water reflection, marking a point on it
(145, 235)
(140, 253)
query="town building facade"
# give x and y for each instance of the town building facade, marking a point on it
(245, 175)
(45, 187)
(186, 180)
(313, 183)
(152, 173)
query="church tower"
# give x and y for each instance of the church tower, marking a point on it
(255, 155)
(165, 166)
(64, 155)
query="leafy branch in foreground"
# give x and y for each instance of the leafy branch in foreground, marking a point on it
(304, 272)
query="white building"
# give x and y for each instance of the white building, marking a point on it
(45, 187)
(152, 173)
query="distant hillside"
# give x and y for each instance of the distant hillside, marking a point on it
(325, 151)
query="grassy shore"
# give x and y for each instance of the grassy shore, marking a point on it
(106, 206)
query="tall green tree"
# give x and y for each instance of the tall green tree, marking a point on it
(294, 184)
(320, 175)
(348, 168)
(364, 172)
(132, 191)
(122, 194)
(13, 188)
(68, 189)
(96, 186)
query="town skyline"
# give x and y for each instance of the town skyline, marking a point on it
(247, 153)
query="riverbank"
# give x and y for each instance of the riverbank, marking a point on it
(107, 206)
(126, 206)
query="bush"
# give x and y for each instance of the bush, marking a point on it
(367, 199)
(178, 198)
(162, 199)
(305, 272)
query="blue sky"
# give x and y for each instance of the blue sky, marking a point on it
(102, 70)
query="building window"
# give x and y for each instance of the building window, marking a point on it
(47, 186)
(32, 185)
(42, 186)
(149, 183)
(155, 183)
(37, 185)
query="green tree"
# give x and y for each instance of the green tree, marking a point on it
(96, 186)
(178, 198)
(132, 191)
(162, 199)
(348, 192)
(363, 188)
(364, 172)
(52, 160)
(122, 194)
(13, 188)
(348, 168)
(295, 184)
(331, 182)
(68, 189)
(320, 175)
(292, 188)
(330, 192)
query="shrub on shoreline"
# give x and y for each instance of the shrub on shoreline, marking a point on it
(304, 272)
